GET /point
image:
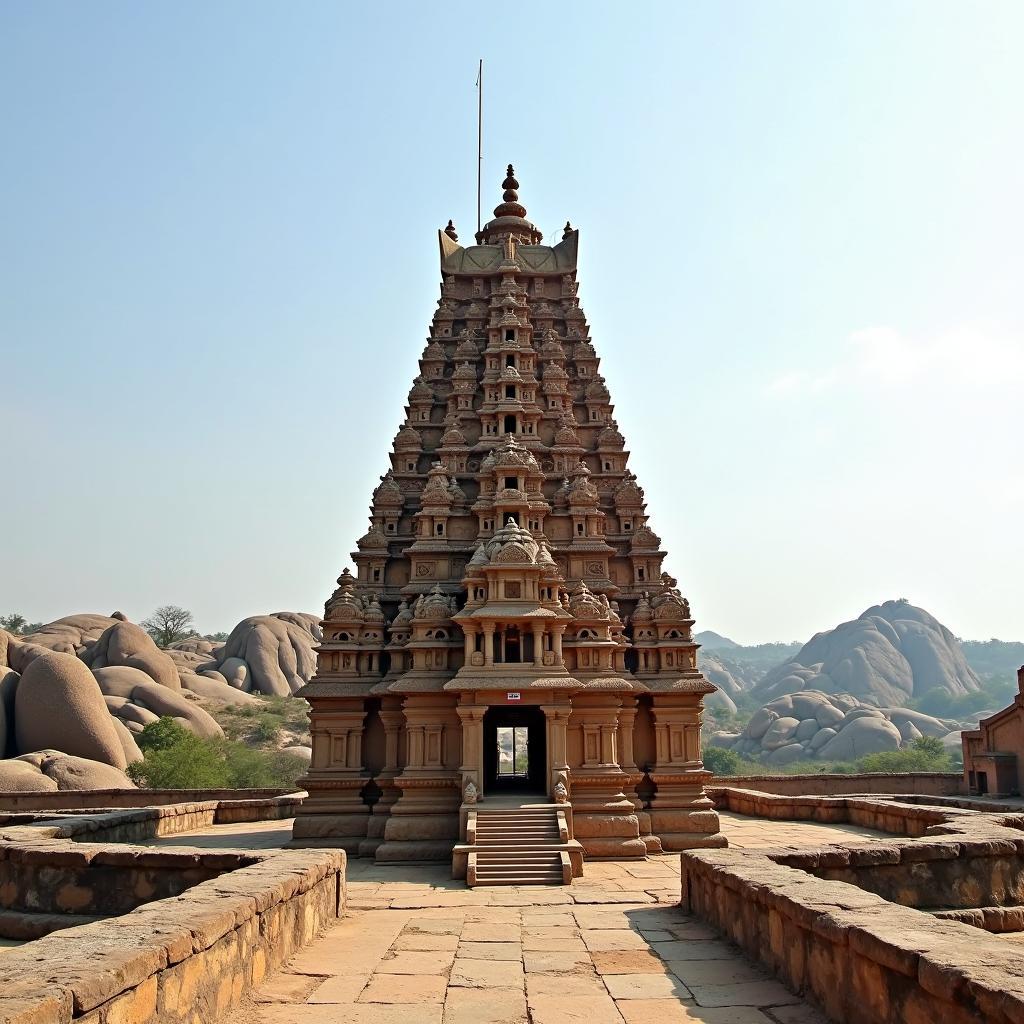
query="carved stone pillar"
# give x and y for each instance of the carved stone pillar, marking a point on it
(424, 821)
(472, 768)
(556, 643)
(682, 817)
(393, 720)
(488, 643)
(334, 814)
(538, 645)
(604, 818)
(627, 760)
(557, 720)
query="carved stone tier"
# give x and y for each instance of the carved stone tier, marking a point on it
(509, 604)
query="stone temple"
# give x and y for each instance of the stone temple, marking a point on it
(509, 678)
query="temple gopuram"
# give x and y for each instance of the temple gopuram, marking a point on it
(508, 678)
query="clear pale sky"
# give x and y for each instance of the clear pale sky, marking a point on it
(801, 230)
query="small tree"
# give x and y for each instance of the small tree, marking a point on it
(18, 625)
(721, 761)
(169, 624)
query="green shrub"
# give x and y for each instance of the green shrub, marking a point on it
(267, 729)
(722, 761)
(175, 758)
(162, 735)
(926, 754)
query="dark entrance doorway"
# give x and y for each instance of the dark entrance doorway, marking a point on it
(515, 752)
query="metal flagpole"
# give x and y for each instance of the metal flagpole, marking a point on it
(479, 135)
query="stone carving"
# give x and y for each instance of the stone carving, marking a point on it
(511, 517)
(469, 794)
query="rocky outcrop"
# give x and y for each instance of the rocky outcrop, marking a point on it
(269, 654)
(886, 656)
(715, 671)
(8, 686)
(73, 633)
(136, 700)
(50, 771)
(58, 705)
(128, 645)
(831, 727)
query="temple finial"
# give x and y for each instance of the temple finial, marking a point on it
(509, 218)
(510, 185)
(566, 231)
(450, 232)
(510, 205)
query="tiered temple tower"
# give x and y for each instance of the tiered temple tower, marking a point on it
(509, 627)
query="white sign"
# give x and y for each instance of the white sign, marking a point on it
(513, 696)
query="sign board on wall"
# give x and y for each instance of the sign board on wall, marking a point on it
(513, 696)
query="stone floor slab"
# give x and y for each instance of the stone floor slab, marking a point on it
(542, 945)
(487, 974)
(351, 1013)
(629, 961)
(404, 988)
(671, 1011)
(645, 986)
(746, 993)
(556, 963)
(424, 942)
(490, 950)
(573, 1009)
(485, 1006)
(612, 939)
(716, 972)
(580, 984)
(406, 962)
(287, 988)
(681, 949)
(483, 931)
(340, 989)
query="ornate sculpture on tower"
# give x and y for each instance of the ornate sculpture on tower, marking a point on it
(509, 627)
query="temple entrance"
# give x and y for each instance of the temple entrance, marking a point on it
(515, 752)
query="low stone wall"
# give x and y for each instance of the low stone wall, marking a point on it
(124, 798)
(863, 959)
(923, 783)
(86, 878)
(838, 922)
(207, 925)
(886, 814)
(145, 822)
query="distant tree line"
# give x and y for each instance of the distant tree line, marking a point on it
(167, 625)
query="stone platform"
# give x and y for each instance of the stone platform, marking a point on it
(418, 946)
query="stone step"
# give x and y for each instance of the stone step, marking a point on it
(517, 847)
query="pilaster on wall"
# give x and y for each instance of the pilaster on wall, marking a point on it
(471, 719)
(604, 818)
(681, 814)
(424, 822)
(627, 721)
(335, 814)
(393, 720)
(557, 722)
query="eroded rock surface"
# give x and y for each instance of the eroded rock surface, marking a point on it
(58, 705)
(833, 727)
(889, 654)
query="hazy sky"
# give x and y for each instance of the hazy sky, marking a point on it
(801, 229)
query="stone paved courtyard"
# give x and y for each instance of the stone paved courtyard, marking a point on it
(614, 948)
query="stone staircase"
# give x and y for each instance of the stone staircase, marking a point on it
(526, 845)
